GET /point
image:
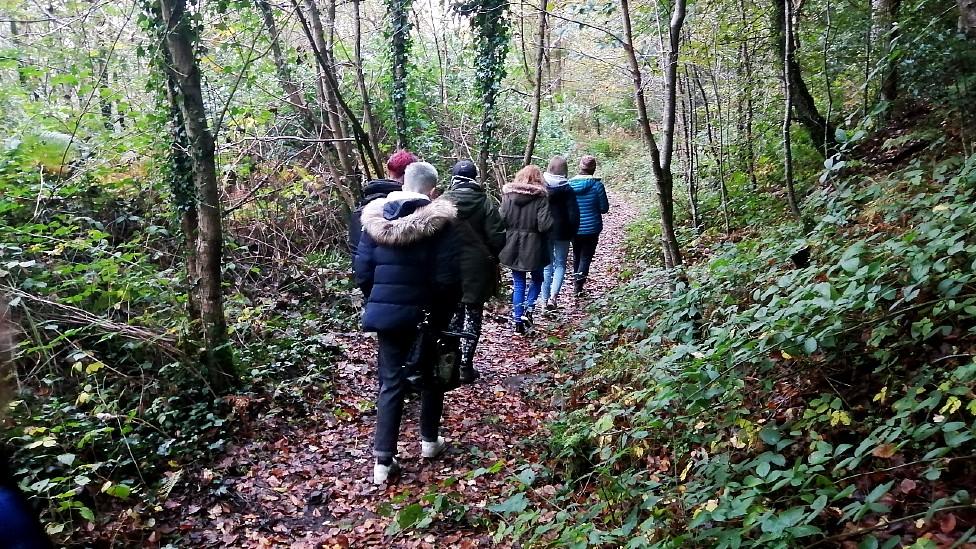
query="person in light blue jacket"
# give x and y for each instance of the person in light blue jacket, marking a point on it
(591, 197)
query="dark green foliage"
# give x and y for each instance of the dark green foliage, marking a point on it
(737, 410)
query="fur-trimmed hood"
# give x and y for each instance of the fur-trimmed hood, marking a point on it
(404, 218)
(524, 188)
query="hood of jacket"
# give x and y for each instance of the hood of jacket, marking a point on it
(523, 193)
(379, 188)
(584, 182)
(553, 180)
(468, 197)
(405, 217)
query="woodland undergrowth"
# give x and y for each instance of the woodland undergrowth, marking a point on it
(792, 389)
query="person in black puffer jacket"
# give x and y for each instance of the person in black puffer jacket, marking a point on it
(376, 189)
(565, 222)
(407, 267)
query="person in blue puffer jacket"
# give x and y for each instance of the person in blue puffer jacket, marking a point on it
(407, 267)
(591, 197)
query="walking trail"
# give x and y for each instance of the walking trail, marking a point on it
(305, 481)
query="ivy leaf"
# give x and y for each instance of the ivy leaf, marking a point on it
(514, 504)
(410, 515)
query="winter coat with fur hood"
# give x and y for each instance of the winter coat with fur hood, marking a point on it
(407, 262)
(525, 209)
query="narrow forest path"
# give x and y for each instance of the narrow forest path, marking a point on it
(305, 481)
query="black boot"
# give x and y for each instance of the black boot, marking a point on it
(578, 285)
(469, 374)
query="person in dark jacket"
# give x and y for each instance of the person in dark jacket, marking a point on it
(592, 199)
(378, 188)
(407, 267)
(481, 233)
(565, 222)
(525, 209)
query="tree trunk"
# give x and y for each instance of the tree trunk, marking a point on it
(746, 67)
(687, 109)
(537, 96)
(217, 359)
(660, 160)
(368, 117)
(787, 118)
(182, 187)
(887, 23)
(400, 44)
(967, 17)
(804, 107)
(323, 44)
(359, 134)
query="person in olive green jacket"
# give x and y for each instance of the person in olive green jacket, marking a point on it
(481, 232)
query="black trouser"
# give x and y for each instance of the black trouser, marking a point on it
(468, 319)
(584, 246)
(393, 350)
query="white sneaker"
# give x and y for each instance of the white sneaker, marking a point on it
(430, 450)
(382, 473)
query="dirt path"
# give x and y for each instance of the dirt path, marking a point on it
(305, 481)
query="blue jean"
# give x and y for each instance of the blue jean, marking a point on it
(555, 272)
(522, 299)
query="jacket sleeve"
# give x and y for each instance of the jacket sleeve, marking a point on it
(604, 203)
(355, 230)
(494, 228)
(544, 216)
(364, 264)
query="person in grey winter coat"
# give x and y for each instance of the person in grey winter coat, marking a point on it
(565, 222)
(525, 209)
(481, 233)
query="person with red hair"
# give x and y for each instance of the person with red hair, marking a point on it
(396, 165)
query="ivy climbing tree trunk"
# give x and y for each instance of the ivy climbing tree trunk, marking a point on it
(537, 94)
(660, 158)
(490, 22)
(182, 186)
(399, 12)
(179, 35)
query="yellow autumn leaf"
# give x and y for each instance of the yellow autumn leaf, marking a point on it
(786, 355)
(952, 406)
(839, 417)
(881, 396)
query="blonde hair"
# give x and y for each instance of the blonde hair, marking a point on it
(530, 175)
